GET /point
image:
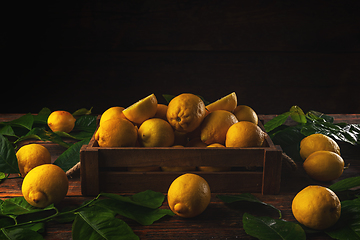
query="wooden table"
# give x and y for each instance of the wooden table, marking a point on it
(219, 221)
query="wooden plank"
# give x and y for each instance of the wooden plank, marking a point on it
(89, 171)
(187, 157)
(219, 182)
(272, 171)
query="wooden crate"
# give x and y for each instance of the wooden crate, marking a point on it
(256, 169)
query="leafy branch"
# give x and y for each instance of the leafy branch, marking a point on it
(94, 219)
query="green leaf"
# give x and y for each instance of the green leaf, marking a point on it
(42, 134)
(71, 156)
(42, 116)
(345, 184)
(247, 197)
(82, 111)
(7, 130)
(25, 121)
(168, 97)
(348, 226)
(85, 123)
(143, 215)
(297, 114)
(18, 206)
(148, 198)
(276, 121)
(99, 223)
(8, 160)
(19, 233)
(3, 176)
(265, 228)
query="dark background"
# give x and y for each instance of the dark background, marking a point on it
(273, 54)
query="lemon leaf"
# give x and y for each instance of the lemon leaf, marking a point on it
(297, 114)
(266, 228)
(100, 223)
(345, 184)
(20, 233)
(143, 215)
(82, 111)
(71, 156)
(247, 197)
(8, 160)
(276, 121)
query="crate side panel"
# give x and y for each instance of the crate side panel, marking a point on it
(219, 182)
(172, 157)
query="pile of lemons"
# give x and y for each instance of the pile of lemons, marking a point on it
(315, 206)
(184, 122)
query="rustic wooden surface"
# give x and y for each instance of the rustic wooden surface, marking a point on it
(301, 52)
(218, 221)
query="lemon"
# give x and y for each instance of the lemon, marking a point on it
(156, 132)
(116, 133)
(161, 111)
(316, 142)
(44, 185)
(216, 145)
(316, 207)
(61, 121)
(142, 110)
(185, 112)
(215, 126)
(30, 156)
(227, 103)
(113, 112)
(244, 134)
(188, 195)
(324, 165)
(246, 113)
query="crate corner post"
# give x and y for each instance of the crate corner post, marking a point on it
(272, 171)
(89, 171)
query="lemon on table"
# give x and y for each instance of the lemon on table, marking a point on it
(142, 110)
(244, 134)
(316, 207)
(116, 133)
(246, 113)
(44, 185)
(227, 103)
(185, 112)
(61, 121)
(30, 156)
(215, 126)
(113, 112)
(324, 165)
(188, 195)
(156, 132)
(316, 142)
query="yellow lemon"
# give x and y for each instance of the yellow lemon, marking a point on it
(161, 111)
(227, 103)
(142, 110)
(185, 112)
(116, 133)
(113, 112)
(324, 165)
(244, 134)
(30, 156)
(316, 142)
(156, 132)
(188, 195)
(246, 113)
(61, 121)
(215, 126)
(316, 207)
(44, 185)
